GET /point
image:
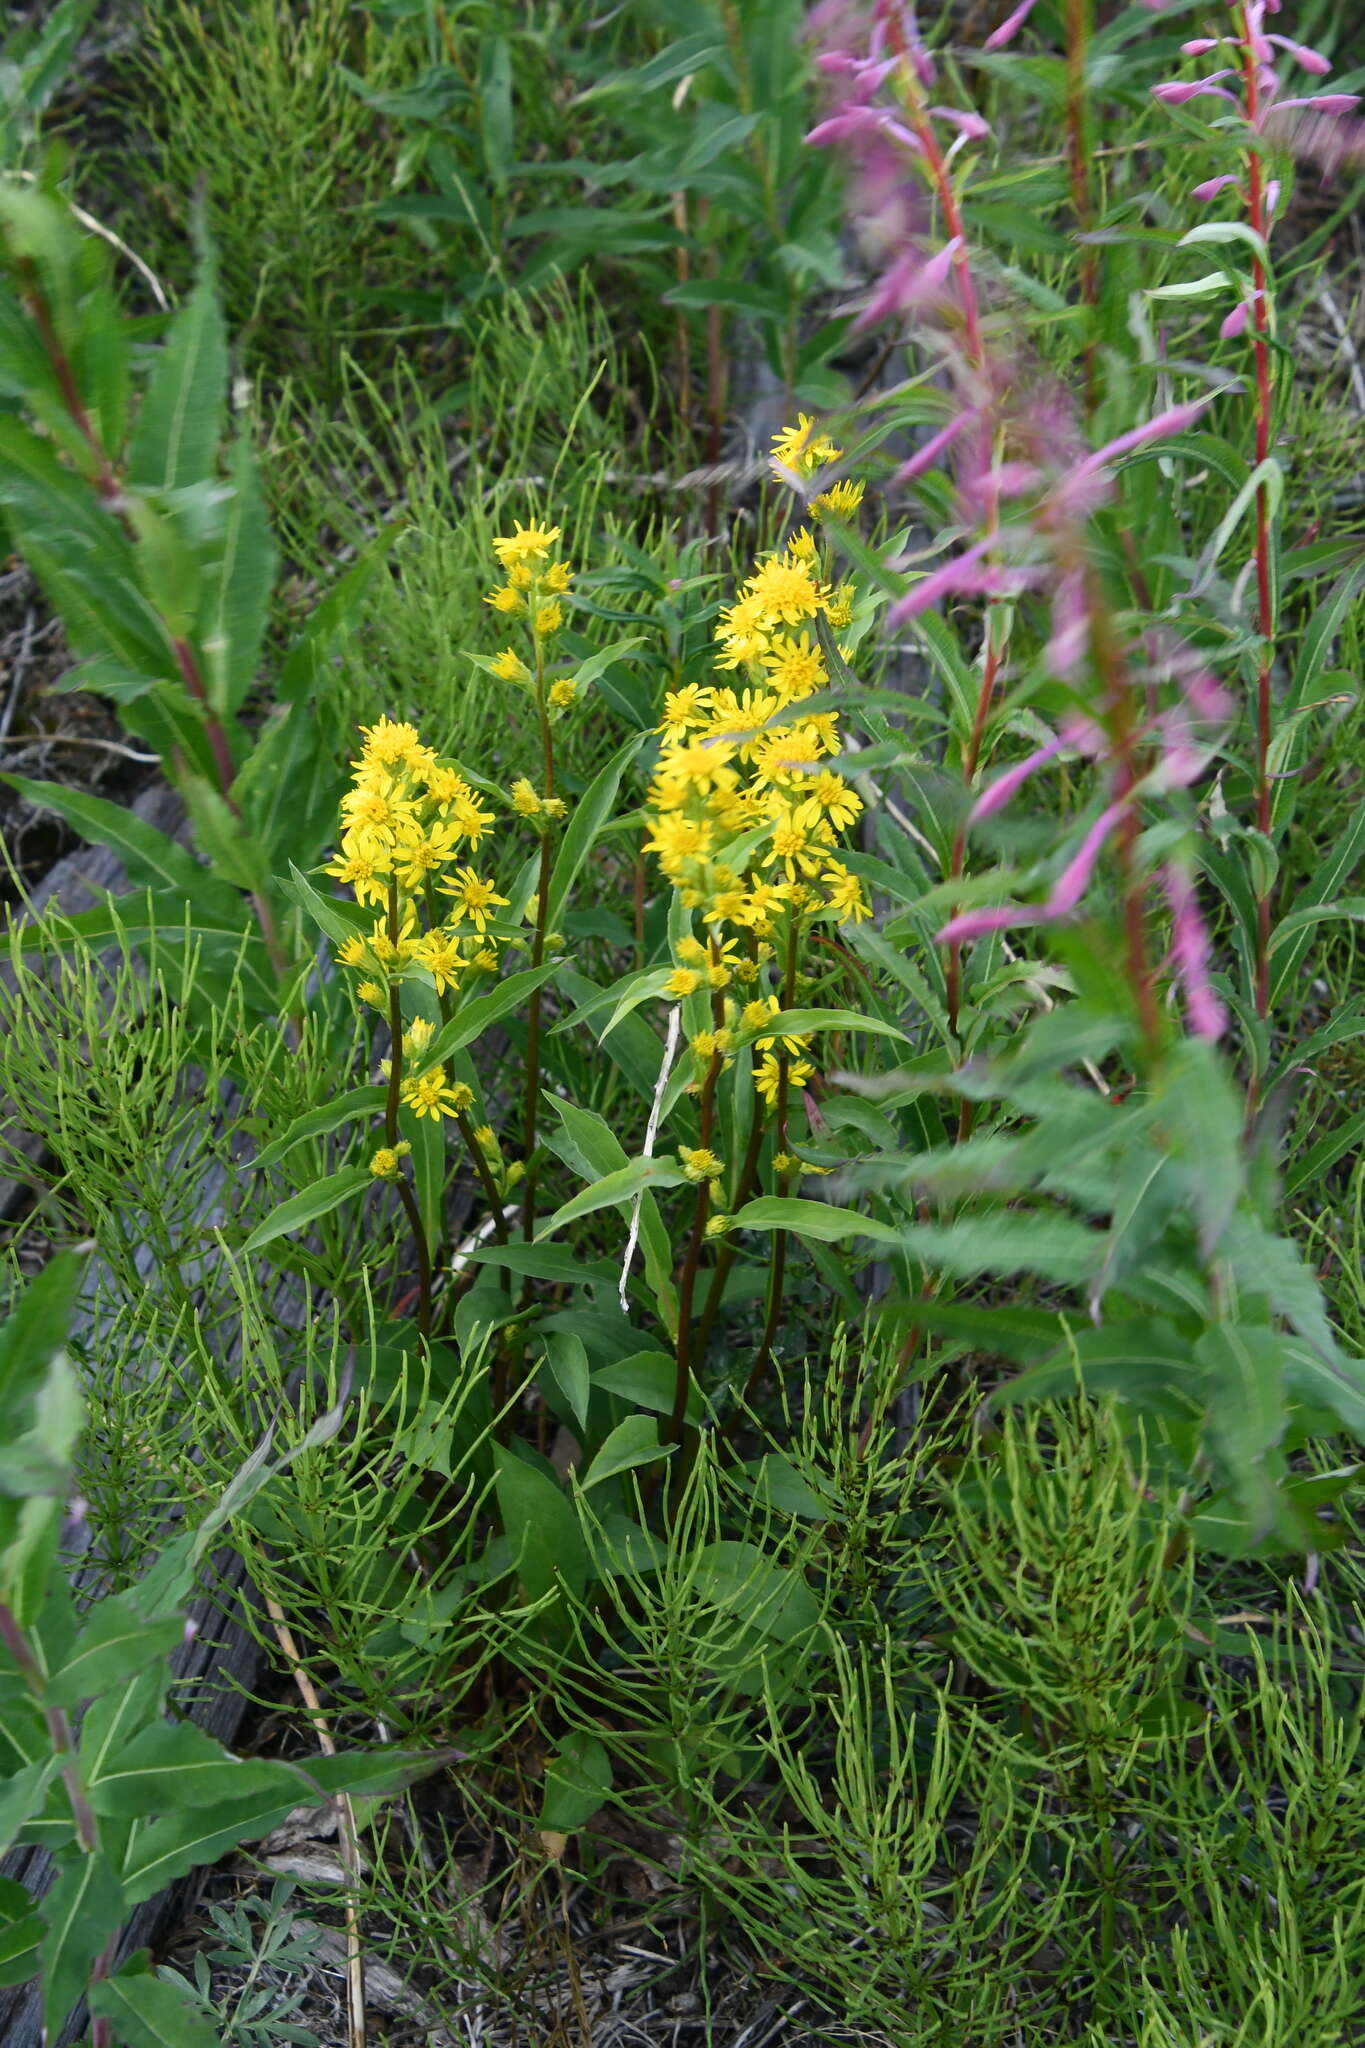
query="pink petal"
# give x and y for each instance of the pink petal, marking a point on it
(1069, 887)
(1236, 321)
(1212, 186)
(975, 924)
(1190, 954)
(998, 793)
(1010, 26)
(1311, 60)
(925, 457)
(1176, 92)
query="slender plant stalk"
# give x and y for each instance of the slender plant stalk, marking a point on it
(1265, 608)
(1078, 27)
(533, 1014)
(391, 1100)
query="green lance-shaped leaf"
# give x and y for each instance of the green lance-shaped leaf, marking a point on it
(150, 858)
(173, 1764)
(22, 1795)
(819, 1220)
(21, 1933)
(478, 1015)
(83, 1911)
(236, 603)
(355, 1106)
(633, 1442)
(337, 919)
(541, 1527)
(35, 1330)
(175, 441)
(115, 1644)
(616, 1189)
(589, 815)
(650, 1380)
(566, 1361)
(306, 1207)
(148, 2011)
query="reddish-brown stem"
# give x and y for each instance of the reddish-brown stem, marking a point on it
(479, 1161)
(1265, 609)
(1078, 165)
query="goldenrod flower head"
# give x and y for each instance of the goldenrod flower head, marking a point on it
(371, 992)
(558, 576)
(785, 1162)
(549, 618)
(686, 708)
(485, 1138)
(439, 952)
(510, 668)
(431, 1094)
(351, 952)
(525, 544)
(768, 1076)
(842, 499)
(844, 892)
(390, 742)
(519, 576)
(691, 951)
(801, 449)
(802, 545)
(683, 981)
(418, 1035)
(525, 802)
(716, 1226)
(555, 807)
(747, 971)
(485, 959)
(384, 1163)
(704, 1045)
(718, 974)
(698, 1163)
(477, 899)
(469, 818)
(785, 590)
(563, 693)
(839, 610)
(506, 598)
(795, 666)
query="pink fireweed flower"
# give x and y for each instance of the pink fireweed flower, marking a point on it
(1211, 187)
(976, 924)
(911, 280)
(1069, 887)
(1177, 92)
(1311, 60)
(1087, 484)
(1320, 103)
(1010, 26)
(1190, 955)
(964, 576)
(1237, 319)
(997, 794)
(937, 444)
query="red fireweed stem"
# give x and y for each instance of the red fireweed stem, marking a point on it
(1260, 316)
(1078, 165)
(1114, 689)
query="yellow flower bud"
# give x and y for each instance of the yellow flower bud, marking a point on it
(563, 693)
(549, 619)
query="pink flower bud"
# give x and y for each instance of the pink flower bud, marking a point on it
(970, 125)
(925, 457)
(1190, 955)
(1200, 44)
(1176, 92)
(1236, 321)
(998, 793)
(1069, 887)
(1010, 26)
(1321, 103)
(1211, 187)
(975, 924)
(1272, 198)
(1311, 60)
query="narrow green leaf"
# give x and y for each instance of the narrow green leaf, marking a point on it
(615, 1190)
(175, 441)
(22, 1795)
(236, 603)
(173, 1764)
(541, 1527)
(475, 1017)
(353, 1107)
(633, 1442)
(567, 1363)
(115, 1643)
(812, 1219)
(589, 815)
(318, 1200)
(82, 1912)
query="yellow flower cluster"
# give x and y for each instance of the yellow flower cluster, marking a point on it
(745, 809)
(800, 451)
(532, 591)
(408, 825)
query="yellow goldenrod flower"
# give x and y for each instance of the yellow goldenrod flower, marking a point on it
(418, 1036)
(469, 820)
(844, 892)
(525, 802)
(841, 499)
(555, 807)
(477, 899)
(796, 668)
(563, 693)
(768, 1076)
(691, 951)
(558, 576)
(510, 667)
(802, 545)
(794, 448)
(485, 959)
(431, 1094)
(786, 590)
(839, 609)
(506, 598)
(830, 797)
(439, 953)
(485, 1138)
(389, 741)
(384, 1163)
(549, 619)
(683, 981)
(524, 544)
(351, 952)
(698, 1163)
(716, 1226)
(686, 707)
(371, 992)
(704, 1045)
